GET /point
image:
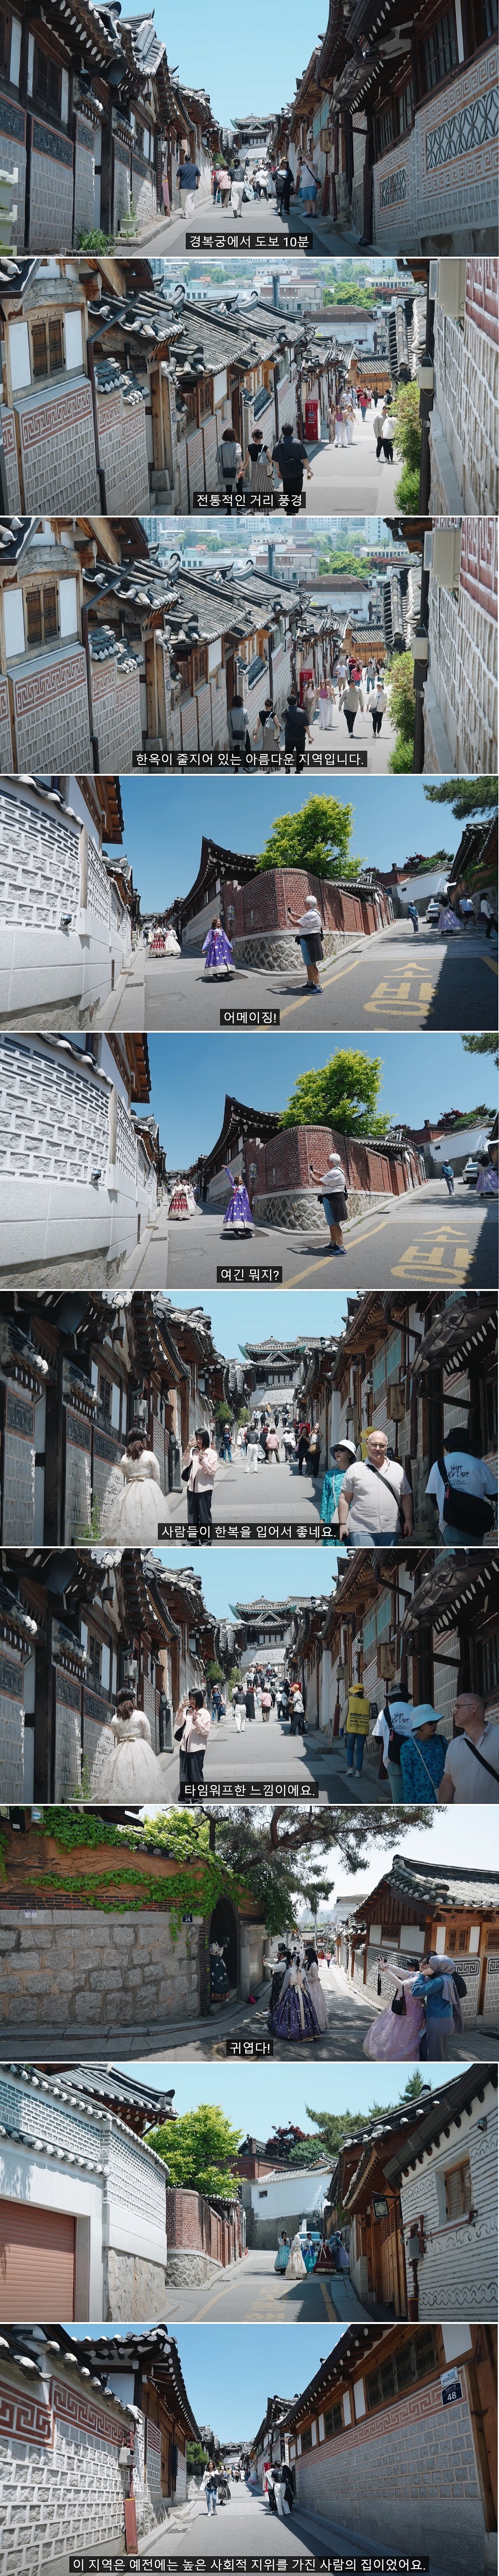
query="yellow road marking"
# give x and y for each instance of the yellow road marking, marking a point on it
(327, 980)
(313, 1266)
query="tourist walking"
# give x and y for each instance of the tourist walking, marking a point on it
(465, 1492)
(371, 676)
(294, 2016)
(229, 461)
(290, 457)
(379, 703)
(422, 1760)
(188, 178)
(302, 1441)
(257, 464)
(342, 1456)
(351, 700)
(333, 1192)
(252, 1449)
(394, 1725)
(471, 1774)
(268, 728)
(137, 1514)
(398, 2032)
(191, 1732)
(296, 728)
(283, 2252)
(316, 1990)
(388, 432)
(239, 1707)
(297, 2269)
(436, 1989)
(356, 1726)
(377, 423)
(217, 951)
(210, 2482)
(375, 1505)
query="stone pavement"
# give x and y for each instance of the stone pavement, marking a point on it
(270, 1752)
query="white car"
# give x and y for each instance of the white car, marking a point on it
(471, 1170)
(433, 909)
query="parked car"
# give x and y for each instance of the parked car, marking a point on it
(433, 910)
(471, 1169)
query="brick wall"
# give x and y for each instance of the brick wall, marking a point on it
(13, 157)
(85, 1968)
(60, 2474)
(116, 707)
(78, 1480)
(10, 458)
(193, 2226)
(123, 451)
(84, 149)
(121, 184)
(466, 400)
(437, 185)
(51, 712)
(56, 433)
(6, 758)
(390, 2471)
(51, 188)
(462, 637)
(143, 189)
(39, 864)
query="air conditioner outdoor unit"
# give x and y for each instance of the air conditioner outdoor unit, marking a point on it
(446, 557)
(452, 288)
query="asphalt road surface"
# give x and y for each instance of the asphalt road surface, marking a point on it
(269, 1752)
(246, 2527)
(273, 1494)
(258, 217)
(251, 2292)
(424, 1240)
(391, 981)
(351, 479)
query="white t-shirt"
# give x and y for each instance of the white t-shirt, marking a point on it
(472, 1785)
(402, 1714)
(465, 1475)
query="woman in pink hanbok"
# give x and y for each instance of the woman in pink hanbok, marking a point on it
(392, 2034)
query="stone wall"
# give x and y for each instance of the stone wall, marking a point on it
(133, 2288)
(408, 2468)
(123, 451)
(84, 162)
(51, 712)
(435, 189)
(90, 1970)
(51, 188)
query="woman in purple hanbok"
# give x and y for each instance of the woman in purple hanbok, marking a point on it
(294, 2015)
(238, 1218)
(392, 2034)
(217, 951)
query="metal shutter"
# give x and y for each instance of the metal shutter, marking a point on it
(37, 2264)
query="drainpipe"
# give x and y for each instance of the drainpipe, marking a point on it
(100, 468)
(86, 649)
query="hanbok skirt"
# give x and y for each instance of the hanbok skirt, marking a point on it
(396, 2035)
(132, 1776)
(179, 1205)
(282, 2258)
(294, 2016)
(218, 1977)
(319, 2002)
(218, 951)
(238, 1212)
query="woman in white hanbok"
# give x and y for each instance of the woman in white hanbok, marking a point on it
(133, 1776)
(315, 1989)
(134, 1519)
(296, 2268)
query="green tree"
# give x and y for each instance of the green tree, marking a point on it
(401, 700)
(363, 296)
(405, 411)
(318, 838)
(406, 493)
(414, 2086)
(199, 2149)
(342, 1094)
(483, 1044)
(465, 795)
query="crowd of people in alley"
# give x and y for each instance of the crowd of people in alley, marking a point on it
(236, 182)
(348, 687)
(298, 2005)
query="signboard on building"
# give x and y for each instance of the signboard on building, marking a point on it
(451, 2386)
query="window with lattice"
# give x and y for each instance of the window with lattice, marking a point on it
(493, 1939)
(41, 614)
(458, 2189)
(439, 52)
(333, 2421)
(384, 128)
(451, 1943)
(405, 108)
(47, 347)
(462, 1941)
(409, 2362)
(47, 81)
(306, 2439)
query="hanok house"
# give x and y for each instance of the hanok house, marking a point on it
(94, 1620)
(82, 2195)
(417, 1908)
(89, 2218)
(67, 910)
(77, 1379)
(459, 689)
(200, 368)
(418, 2190)
(150, 1922)
(97, 2442)
(68, 88)
(193, 641)
(451, 1626)
(396, 2435)
(401, 118)
(282, 1167)
(256, 906)
(89, 1168)
(430, 1621)
(417, 1368)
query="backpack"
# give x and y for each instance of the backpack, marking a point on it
(465, 1511)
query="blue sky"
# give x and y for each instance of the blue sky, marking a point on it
(421, 1075)
(249, 1317)
(260, 2098)
(230, 1575)
(391, 820)
(228, 2370)
(251, 77)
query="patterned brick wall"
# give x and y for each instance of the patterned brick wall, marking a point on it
(11, 1725)
(39, 863)
(143, 189)
(51, 713)
(123, 451)
(390, 2468)
(121, 184)
(18, 1468)
(10, 458)
(462, 635)
(84, 149)
(466, 398)
(78, 1480)
(117, 720)
(55, 1122)
(438, 183)
(58, 449)
(13, 157)
(51, 188)
(7, 762)
(60, 2471)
